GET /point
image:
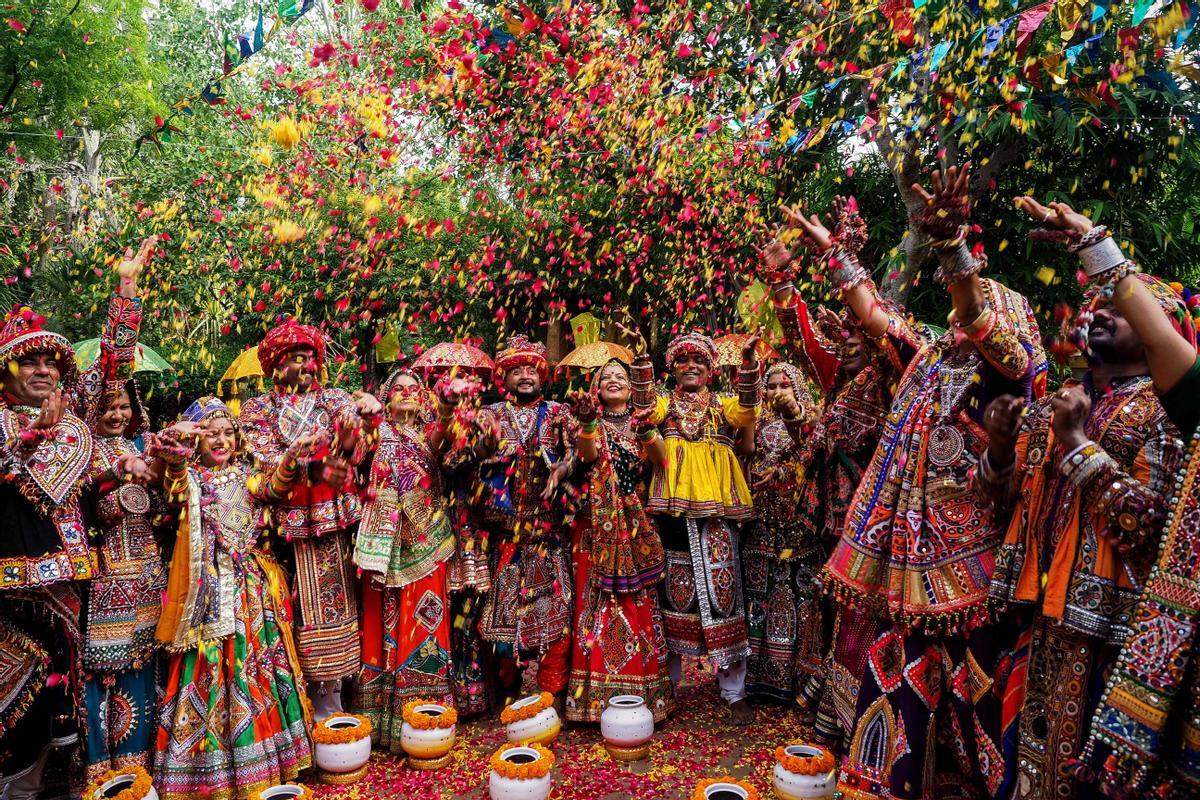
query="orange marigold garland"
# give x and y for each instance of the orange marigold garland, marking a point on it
(425, 722)
(510, 715)
(323, 734)
(135, 791)
(820, 764)
(530, 771)
(305, 794)
(751, 792)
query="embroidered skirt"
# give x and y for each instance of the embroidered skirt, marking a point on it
(784, 615)
(120, 709)
(405, 653)
(327, 633)
(619, 646)
(232, 721)
(703, 609)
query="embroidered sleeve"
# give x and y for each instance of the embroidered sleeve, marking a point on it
(1005, 340)
(805, 343)
(901, 343)
(381, 515)
(1133, 501)
(261, 443)
(996, 489)
(118, 349)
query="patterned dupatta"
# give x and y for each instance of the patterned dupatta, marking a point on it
(1149, 712)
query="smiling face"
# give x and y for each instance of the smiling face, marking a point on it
(777, 385)
(692, 371)
(404, 398)
(854, 360)
(32, 378)
(218, 443)
(614, 386)
(1112, 340)
(297, 370)
(524, 383)
(116, 416)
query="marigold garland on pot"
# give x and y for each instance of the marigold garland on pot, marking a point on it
(819, 764)
(510, 714)
(751, 792)
(447, 719)
(530, 771)
(305, 794)
(135, 791)
(323, 734)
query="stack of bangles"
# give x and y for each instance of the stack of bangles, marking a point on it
(955, 260)
(284, 476)
(589, 430)
(848, 272)
(1101, 256)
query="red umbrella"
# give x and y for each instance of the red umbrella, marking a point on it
(448, 355)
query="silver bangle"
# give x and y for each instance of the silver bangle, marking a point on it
(1101, 256)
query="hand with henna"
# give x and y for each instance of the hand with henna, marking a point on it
(947, 207)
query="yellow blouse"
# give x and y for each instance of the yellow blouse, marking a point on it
(702, 476)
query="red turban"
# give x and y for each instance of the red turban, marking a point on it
(288, 336)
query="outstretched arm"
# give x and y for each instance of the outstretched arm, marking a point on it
(1169, 355)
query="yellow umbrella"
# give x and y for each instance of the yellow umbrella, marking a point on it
(596, 354)
(246, 365)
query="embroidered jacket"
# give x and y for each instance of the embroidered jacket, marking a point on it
(405, 532)
(1081, 542)
(270, 423)
(530, 441)
(916, 542)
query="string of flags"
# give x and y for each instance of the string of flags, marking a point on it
(237, 51)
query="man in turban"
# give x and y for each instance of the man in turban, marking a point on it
(46, 455)
(315, 505)
(698, 495)
(523, 460)
(1084, 474)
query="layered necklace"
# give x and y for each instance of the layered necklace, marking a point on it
(691, 411)
(955, 375)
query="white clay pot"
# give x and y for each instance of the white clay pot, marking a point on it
(427, 743)
(346, 756)
(627, 727)
(539, 729)
(284, 791)
(794, 786)
(725, 791)
(502, 788)
(112, 788)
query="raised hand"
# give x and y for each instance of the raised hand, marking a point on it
(367, 404)
(774, 261)
(52, 411)
(750, 349)
(812, 230)
(556, 478)
(1057, 217)
(1002, 419)
(305, 448)
(1071, 405)
(947, 207)
(849, 228)
(130, 267)
(641, 420)
(788, 407)
(635, 335)
(349, 432)
(133, 467)
(176, 444)
(585, 406)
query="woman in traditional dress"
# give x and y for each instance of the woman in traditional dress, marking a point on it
(783, 553)
(125, 601)
(403, 545)
(234, 719)
(619, 646)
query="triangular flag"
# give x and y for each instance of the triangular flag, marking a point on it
(1029, 22)
(1140, 9)
(257, 43)
(939, 52)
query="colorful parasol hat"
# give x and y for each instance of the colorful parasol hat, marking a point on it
(595, 355)
(445, 356)
(729, 349)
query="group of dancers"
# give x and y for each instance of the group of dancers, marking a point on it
(970, 587)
